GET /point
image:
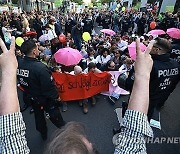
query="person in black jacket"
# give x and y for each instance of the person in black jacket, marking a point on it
(58, 28)
(70, 23)
(126, 24)
(37, 25)
(141, 24)
(165, 75)
(175, 51)
(37, 82)
(16, 23)
(168, 21)
(76, 34)
(99, 19)
(88, 24)
(106, 21)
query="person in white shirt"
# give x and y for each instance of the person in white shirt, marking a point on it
(51, 29)
(25, 24)
(127, 66)
(7, 33)
(103, 58)
(122, 45)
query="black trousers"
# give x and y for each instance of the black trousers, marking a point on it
(55, 117)
(152, 106)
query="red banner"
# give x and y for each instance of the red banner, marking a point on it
(76, 87)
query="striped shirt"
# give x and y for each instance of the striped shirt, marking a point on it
(12, 134)
(131, 139)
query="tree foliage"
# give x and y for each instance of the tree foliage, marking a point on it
(94, 2)
(79, 2)
(105, 1)
(15, 1)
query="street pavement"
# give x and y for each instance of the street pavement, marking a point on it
(100, 121)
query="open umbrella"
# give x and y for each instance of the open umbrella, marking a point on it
(68, 56)
(132, 49)
(174, 33)
(157, 32)
(108, 31)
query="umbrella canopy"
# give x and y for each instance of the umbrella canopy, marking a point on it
(108, 31)
(68, 56)
(132, 49)
(157, 32)
(174, 33)
(43, 38)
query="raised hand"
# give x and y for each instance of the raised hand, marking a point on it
(144, 62)
(8, 59)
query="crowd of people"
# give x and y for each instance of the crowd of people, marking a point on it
(103, 52)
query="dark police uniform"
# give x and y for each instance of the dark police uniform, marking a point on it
(38, 84)
(175, 51)
(164, 77)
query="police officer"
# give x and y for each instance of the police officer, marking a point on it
(164, 77)
(38, 84)
(175, 51)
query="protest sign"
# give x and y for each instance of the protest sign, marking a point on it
(76, 87)
(113, 86)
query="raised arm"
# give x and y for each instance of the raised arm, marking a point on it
(139, 99)
(8, 95)
(12, 126)
(135, 125)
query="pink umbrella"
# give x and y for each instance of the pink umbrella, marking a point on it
(67, 56)
(108, 31)
(157, 32)
(174, 33)
(132, 49)
(43, 38)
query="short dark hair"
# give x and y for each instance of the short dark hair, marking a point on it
(90, 49)
(28, 46)
(91, 65)
(164, 44)
(103, 50)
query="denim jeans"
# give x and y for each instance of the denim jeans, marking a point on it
(77, 42)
